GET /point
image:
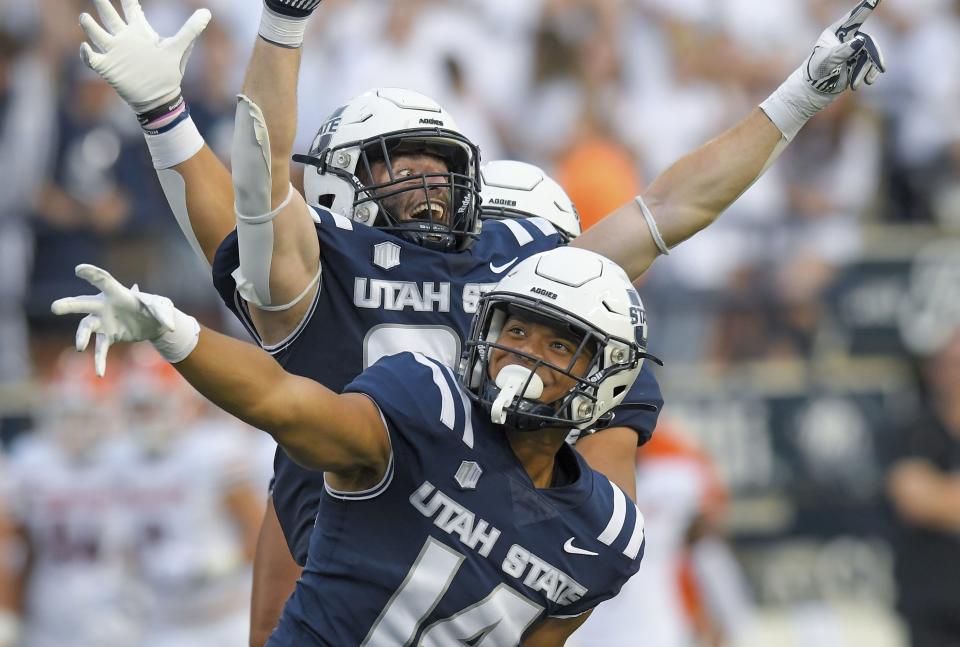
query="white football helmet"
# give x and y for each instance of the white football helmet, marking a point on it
(442, 207)
(513, 189)
(576, 290)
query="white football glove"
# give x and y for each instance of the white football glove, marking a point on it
(843, 57)
(126, 314)
(145, 69)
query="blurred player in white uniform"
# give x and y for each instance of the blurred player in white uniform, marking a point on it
(66, 570)
(689, 591)
(192, 509)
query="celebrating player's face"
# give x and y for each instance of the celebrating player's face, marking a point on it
(552, 345)
(431, 203)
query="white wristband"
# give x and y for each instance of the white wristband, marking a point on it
(174, 346)
(793, 103)
(652, 226)
(282, 30)
(177, 145)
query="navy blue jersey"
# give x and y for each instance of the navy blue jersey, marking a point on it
(455, 542)
(379, 295)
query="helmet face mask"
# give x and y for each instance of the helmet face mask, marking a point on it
(585, 370)
(355, 170)
(585, 297)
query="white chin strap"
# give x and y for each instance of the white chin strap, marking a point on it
(511, 379)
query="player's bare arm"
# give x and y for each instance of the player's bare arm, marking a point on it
(339, 434)
(322, 430)
(275, 575)
(554, 632)
(279, 269)
(613, 453)
(281, 259)
(146, 70)
(200, 188)
(279, 250)
(687, 197)
(696, 189)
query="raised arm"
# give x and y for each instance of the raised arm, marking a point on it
(279, 251)
(341, 434)
(147, 71)
(317, 428)
(554, 632)
(685, 198)
(696, 189)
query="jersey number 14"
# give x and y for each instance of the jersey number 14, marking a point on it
(497, 620)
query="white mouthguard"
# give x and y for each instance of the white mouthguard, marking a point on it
(510, 379)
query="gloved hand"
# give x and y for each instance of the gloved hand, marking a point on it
(125, 314)
(145, 69)
(843, 57)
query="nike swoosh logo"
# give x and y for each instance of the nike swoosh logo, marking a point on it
(497, 269)
(573, 550)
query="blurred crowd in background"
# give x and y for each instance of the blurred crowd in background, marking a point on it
(810, 336)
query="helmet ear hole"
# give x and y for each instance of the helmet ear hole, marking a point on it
(326, 200)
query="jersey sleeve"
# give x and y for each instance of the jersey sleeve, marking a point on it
(225, 261)
(339, 241)
(419, 398)
(521, 237)
(619, 530)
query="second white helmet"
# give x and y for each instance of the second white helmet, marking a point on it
(512, 189)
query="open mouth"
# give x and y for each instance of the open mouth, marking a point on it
(432, 211)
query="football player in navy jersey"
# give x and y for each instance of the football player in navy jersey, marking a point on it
(390, 158)
(453, 508)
